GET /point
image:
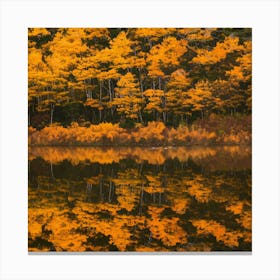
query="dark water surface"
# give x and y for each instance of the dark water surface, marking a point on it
(139, 199)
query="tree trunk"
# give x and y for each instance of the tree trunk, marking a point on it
(28, 116)
(173, 120)
(110, 190)
(52, 111)
(100, 91)
(141, 83)
(110, 91)
(150, 43)
(140, 116)
(164, 107)
(100, 115)
(101, 188)
(100, 99)
(141, 199)
(93, 117)
(164, 116)
(51, 166)
(140, 169)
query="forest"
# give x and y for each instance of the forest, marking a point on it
(139, 139)
(137, 86)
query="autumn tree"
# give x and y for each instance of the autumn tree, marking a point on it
(128, 98)
(40, 76)
(240, 77)
(161, 60)
(60, 60)
(201, 99)
(176, 95)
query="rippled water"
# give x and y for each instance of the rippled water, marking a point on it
(139, 199)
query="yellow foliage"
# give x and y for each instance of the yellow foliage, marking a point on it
(179, 79)
(246, 220)
(201, 192)
(180, 205)
(167, 229)
(219, 52)
(236, 208)
(229, 238)
(128, 193)
(165, 54)
(104, 132)
(154, 133)
(38, 32)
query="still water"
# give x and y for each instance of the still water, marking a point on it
(139, 199)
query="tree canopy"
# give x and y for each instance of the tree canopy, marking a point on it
(137, 75)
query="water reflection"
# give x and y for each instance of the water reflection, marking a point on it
(140, 199)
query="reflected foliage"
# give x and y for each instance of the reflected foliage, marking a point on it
(137, 199)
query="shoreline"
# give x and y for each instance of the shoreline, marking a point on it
(140, 146)
(154, 134)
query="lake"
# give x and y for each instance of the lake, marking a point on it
(136, 199)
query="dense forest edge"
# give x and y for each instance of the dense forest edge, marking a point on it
(139, 86)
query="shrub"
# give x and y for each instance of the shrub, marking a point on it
(155, 133)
